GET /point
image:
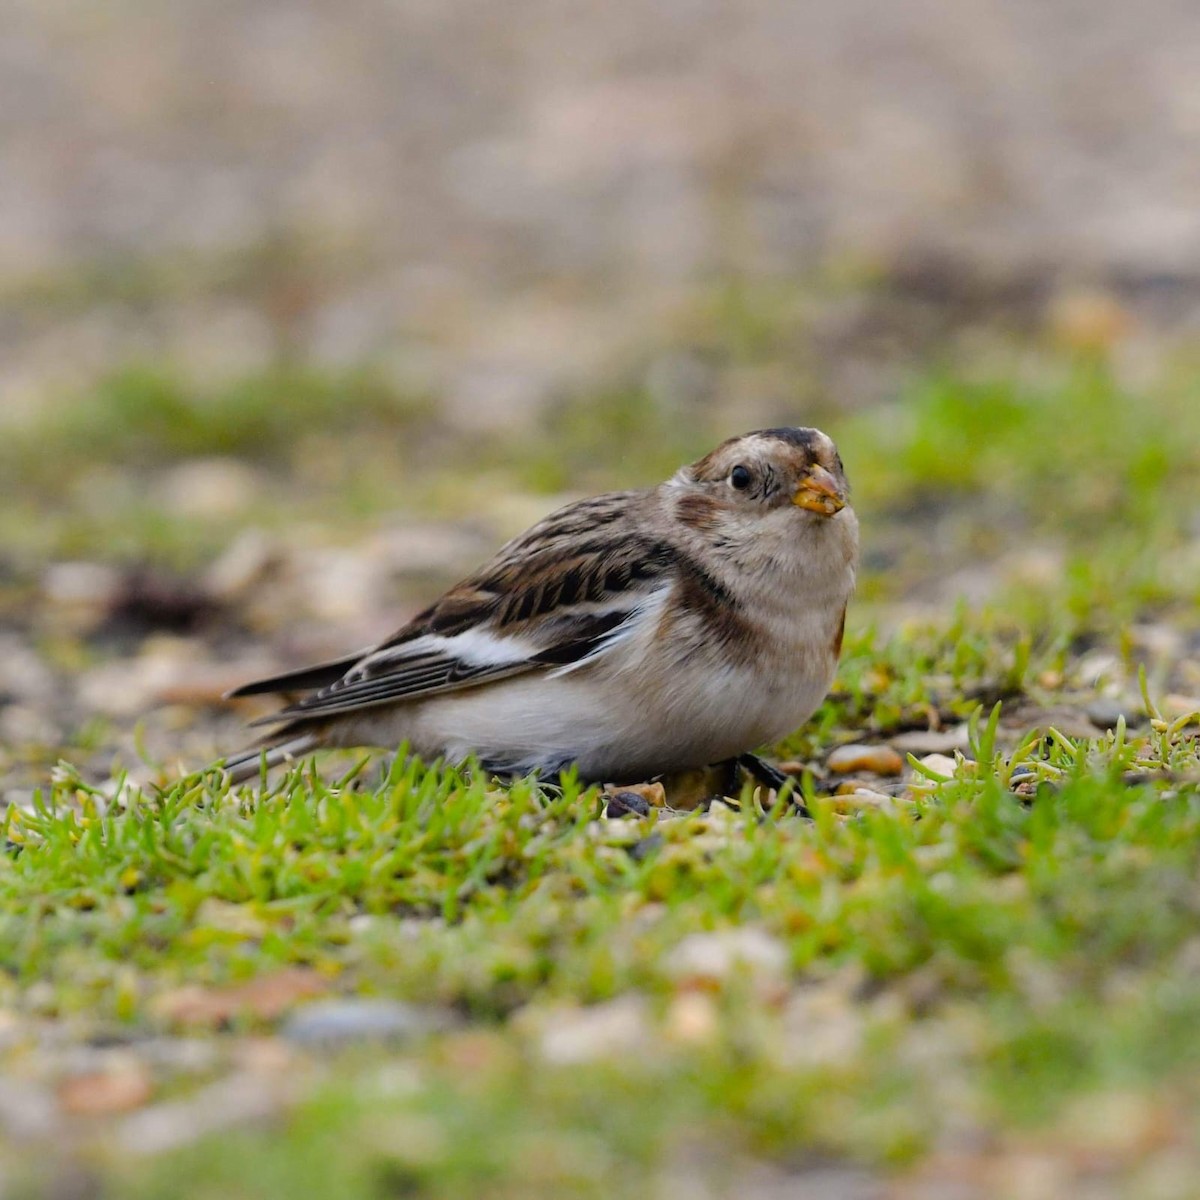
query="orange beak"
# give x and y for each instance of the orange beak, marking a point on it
(820, 492)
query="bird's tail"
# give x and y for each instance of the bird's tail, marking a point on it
(272, 753)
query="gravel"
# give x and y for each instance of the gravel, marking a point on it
(329, 1024)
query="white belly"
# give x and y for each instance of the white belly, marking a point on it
(618, 721)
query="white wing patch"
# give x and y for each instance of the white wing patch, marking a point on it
(478, 647)
(640, 625)
(434, 664)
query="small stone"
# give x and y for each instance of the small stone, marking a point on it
(246, 563)
(626, 804)
(178, 1055)
(940, 764)
(262, 1055)
(822, 1027)
(794, 767)
(614, 833)
(932, 741)
(332, 1023)
(645, 847)
(24, 674)
(1105, 712)
(235, 1102)
(80, 583)
(714, 957)
(1088, 319)
(692, 1018)
(1098, 666)
(23, 725)
(11, 1028)
(579, 1035)
(264, 998)
(27, 1110)
(866, 798)
(208, 487)
(879, 760)
(100, 1093)
(81, 593)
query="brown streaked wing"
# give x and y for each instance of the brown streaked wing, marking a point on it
(589, 553)
(387, 679)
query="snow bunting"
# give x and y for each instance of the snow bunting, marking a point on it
(631, 634)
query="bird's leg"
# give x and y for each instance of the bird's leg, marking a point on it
(769, 776)
(726, 779)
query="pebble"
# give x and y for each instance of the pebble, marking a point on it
(234, 1102)
(1088, 319)
(879, 760)
(250, 558)
(822, 1027)
(940, 764)
(626, 804)
(1105, 712)
(794, 767)
(208, 488)
(265, 997)
(80, 594)
(579, 1035)
(331, 1023)
(714, 957)
(933, 741)
(21, 725)
(645, 847)
(11, 1028)
(101, 1093)
(80, 583)
(692, 1018)
(654, 794)
(27, 1110)
(866, 798)
(23, 673)
(126, 687)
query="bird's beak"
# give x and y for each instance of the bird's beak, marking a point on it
(820, 492)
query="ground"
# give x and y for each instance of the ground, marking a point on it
(972, 973)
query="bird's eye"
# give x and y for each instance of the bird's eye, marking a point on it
(740, 477)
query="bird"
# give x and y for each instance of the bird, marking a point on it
(627, 636)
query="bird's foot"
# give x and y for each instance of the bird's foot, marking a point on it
(771, 777)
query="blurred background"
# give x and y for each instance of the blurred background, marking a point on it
(306, 307)
(303, 306)
(497, 203)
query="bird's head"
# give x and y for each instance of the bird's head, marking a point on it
(771, 471)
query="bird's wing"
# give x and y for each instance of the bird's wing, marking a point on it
(560, 595)
(306, 679)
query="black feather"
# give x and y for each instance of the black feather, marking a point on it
(306, 679)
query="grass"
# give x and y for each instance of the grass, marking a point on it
(1031, 951)
(995, 968)
(310, 442)
(956, 469)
